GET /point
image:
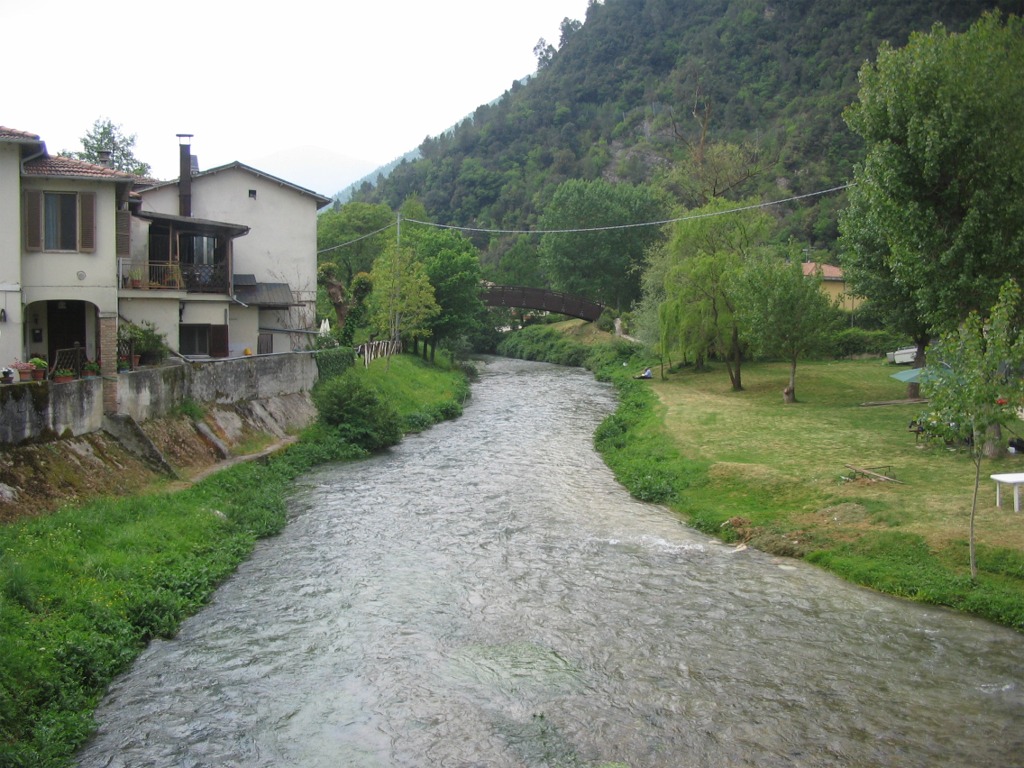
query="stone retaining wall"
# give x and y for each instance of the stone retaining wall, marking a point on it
(43, 410)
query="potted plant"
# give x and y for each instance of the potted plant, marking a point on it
(7, 376)
(91, 368)
(39, 368)
(148, 344)
(135, 276)
(24, 370)
(63, 375)
(123, 366)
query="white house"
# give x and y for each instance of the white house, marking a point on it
(59, 243)
(223, 260)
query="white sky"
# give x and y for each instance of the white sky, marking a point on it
(316, 92)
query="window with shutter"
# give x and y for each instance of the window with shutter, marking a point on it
(33, 225)
(124, 233)
(87, 221)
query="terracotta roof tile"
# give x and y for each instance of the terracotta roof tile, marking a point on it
(67, 167)
(828, 272)
(13, 134)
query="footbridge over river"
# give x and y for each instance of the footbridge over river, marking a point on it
(541, 298)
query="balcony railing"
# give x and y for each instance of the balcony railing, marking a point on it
(165, 276)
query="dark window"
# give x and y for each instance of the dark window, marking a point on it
(60, 221)
(194, 339)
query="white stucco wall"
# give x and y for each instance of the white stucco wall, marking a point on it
(90, 277)
(10, 252)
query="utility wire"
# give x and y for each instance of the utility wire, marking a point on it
(352, 242)
(628, 226)
(598, 229)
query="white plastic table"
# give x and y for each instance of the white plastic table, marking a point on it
(1016, 479)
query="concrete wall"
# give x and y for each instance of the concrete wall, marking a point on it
(43, 410)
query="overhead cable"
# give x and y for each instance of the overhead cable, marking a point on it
(629, 226)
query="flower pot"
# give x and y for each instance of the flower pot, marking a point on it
(6, 379)
(25, 375)
(62, 379)
(39, 374)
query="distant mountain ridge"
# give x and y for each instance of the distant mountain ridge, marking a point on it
(628, 94)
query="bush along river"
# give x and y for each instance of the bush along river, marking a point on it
(485, 594)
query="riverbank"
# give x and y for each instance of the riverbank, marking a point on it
(84, 587)
(746, 468)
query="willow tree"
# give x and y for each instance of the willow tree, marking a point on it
(698, 264)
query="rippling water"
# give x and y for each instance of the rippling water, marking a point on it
(486, 595)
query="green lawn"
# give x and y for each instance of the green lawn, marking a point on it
(776, 475)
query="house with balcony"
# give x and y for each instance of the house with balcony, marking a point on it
(223, 261)
(59, 245)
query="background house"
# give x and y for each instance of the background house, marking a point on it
(833, 283)
(225, 260)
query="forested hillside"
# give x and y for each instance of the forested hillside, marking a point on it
(643, 90)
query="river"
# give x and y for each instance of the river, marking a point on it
(486, 595)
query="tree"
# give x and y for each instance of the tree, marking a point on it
(353, 236)
(698, 263)
(106, 137)
(782, 313)
(402, 302)
(939, 197)
(595, 252)
(453, 268)
(979, 385)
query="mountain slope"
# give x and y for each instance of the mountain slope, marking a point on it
(627, 96)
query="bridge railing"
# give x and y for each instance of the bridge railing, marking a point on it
(541, 298)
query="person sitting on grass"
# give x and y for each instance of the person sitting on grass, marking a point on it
(645, 375)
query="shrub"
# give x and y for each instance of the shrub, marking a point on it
(357, 412)
(857, 341)
(334, 361)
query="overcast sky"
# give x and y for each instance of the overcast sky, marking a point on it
(319, 93)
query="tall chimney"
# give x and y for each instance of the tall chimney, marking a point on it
(184, 174)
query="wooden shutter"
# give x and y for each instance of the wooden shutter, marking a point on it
(218, 341)
(87, 222)
(124, 233)
(33, 223)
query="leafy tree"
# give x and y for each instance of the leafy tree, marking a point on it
(453, 268)
(595, 252)
(939, 197)
(705, 251)
(544, 52)
(402, 302)
(979, 386)
(105, 136)
(353, 236)
(782, 313)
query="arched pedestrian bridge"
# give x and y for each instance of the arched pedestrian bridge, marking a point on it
(540, 298)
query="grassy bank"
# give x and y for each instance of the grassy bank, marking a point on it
(744, 467)
(83, 590)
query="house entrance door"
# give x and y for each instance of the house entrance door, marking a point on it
(65, 325)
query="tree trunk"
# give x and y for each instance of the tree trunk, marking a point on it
(789, 393)
(993, 446)
(914, 387)
(336, 293)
